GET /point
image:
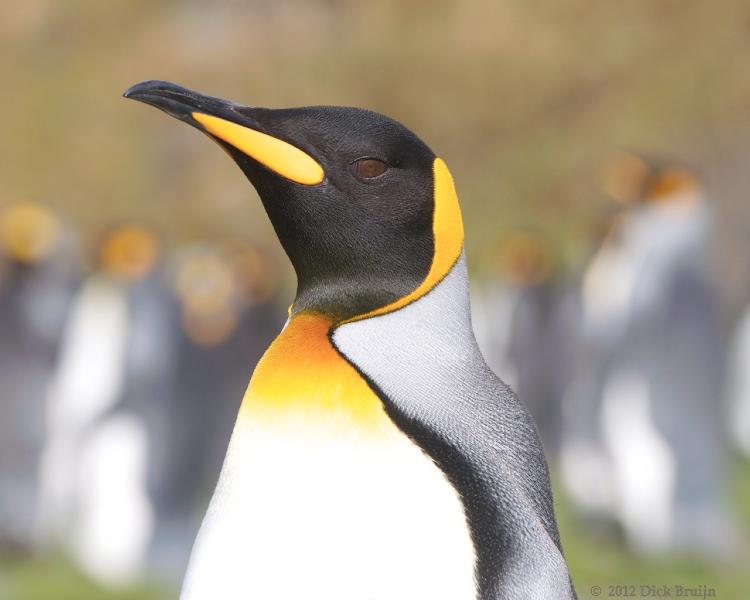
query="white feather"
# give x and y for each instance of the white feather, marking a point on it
(310, 510)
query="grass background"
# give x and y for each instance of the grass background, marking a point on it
(524, 99)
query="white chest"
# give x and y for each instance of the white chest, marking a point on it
(305, 510)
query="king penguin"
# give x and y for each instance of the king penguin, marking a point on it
(375, 455)
(39, 252)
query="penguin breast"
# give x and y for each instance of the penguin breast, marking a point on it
(322, 496)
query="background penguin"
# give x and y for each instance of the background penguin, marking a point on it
(38, 277)
(602, 315)
(645, 404)
(227, 364)
(375, 454)
(108, 411)
(225, 294)
(523, 328)
(599, 322)
(676, 343)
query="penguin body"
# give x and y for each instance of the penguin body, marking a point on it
(375, 454)
(523, 324)
(644, 448)
(37, 283)
(674, 339)
(313, 443)
(109, 413)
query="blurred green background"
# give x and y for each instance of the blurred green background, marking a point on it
(523, 99)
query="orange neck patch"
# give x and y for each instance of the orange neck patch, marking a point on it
(303, 375)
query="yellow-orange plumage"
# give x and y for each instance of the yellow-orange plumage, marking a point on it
(303, 375)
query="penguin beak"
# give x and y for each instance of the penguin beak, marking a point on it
(231, 124)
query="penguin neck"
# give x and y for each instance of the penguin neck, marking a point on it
(303, 372)
(350, 295)
(456, 295)
(450, 316)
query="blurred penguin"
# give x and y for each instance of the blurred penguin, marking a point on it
(653, 372)
(260, 317)
(108, 410)
(38, 276)
(599, 318)
(228, 315)
(522, 326)
(677, 343)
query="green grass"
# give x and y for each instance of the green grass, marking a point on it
(598, 560)
(55, 578)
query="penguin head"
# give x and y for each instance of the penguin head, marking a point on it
(207, 291)
(29, 232)
(363, 208)
(631, 179)
(624, 177)
(673, 185)
(128, 252)
(523, 259)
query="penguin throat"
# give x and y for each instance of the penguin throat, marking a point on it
(302, 376)
(344, 298)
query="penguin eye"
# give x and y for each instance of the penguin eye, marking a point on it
(369, 168)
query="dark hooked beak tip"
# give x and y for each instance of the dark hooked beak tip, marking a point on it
(220, 119)
(152, 86)
(178, 101)
(150, 91)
